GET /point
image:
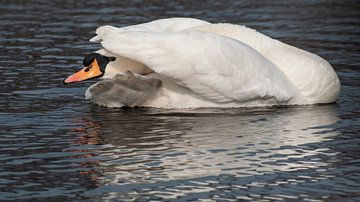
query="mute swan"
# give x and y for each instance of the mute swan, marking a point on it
(189, 63)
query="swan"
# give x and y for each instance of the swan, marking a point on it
(191, 63)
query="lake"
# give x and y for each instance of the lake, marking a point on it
(55, 145)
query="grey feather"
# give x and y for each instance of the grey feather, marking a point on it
(123, 90)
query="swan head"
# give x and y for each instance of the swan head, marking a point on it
(94, 67)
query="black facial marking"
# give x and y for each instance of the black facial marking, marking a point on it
(101, 59)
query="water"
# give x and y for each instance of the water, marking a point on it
(55, 145)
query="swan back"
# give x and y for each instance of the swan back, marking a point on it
(168, 25)
(161, 25)
(313, 76)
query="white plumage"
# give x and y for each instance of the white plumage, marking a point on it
(216, 65)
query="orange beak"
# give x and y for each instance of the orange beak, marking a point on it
(89, 72)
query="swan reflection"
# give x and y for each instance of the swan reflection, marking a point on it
(149, 145)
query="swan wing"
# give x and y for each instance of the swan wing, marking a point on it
(163, 25)
(168, 25)
(215, 67)
(313, 76)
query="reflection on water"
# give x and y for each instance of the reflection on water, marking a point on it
(57, 146)
(145, 153)
(199, 150)
(203, 141)
(185, 146)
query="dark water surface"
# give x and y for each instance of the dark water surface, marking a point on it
(56, 145)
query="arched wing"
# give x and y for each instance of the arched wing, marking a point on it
(217, 68)
(163, 25)
(168, 25)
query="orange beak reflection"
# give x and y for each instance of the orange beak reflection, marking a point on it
(89, 72)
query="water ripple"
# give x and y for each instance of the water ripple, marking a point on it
(57, 146)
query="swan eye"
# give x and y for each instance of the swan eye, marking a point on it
(88, 68)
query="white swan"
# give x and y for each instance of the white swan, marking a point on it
(202, 65)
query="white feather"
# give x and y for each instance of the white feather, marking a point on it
(220, 65)
(311, 74)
